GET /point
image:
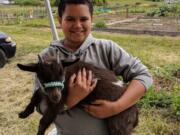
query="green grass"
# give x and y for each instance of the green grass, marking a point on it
(159, 108)
(153, 51)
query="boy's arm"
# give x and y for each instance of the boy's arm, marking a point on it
(104, 108)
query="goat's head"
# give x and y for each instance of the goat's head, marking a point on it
(51, 75)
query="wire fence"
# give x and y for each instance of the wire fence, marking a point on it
(16, 14)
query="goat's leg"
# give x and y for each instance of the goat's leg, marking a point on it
(123, 130)
(35, 100)
(46, 120)
(123, 123)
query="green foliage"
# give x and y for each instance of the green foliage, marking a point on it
(165, 10)
(151, 12)
(137, 10)
(162, 99)
(100, 24)
(156, 99)
(170, 99)
(166, 71)
(28, 2)
(176, 105)
(53, 2)
(99, 2)
(33, 2)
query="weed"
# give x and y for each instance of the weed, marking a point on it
(100, 24)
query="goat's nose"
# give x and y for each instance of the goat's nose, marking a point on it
(56, 99)
(56, 96)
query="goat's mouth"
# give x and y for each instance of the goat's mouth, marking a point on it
(55, 99)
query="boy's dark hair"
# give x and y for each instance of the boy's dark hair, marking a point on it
(62, 5)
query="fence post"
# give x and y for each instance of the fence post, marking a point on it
(127, 10)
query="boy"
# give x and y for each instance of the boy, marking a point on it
(75, 18)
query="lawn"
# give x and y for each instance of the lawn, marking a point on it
(159, 108)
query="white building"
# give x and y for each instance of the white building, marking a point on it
(5, 2)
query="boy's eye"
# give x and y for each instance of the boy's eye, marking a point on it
(84, 19)
(69, 19)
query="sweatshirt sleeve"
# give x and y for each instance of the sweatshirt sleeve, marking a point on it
(129, 67)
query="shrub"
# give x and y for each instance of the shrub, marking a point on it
(151, 12)
(165, 10)
(100, 24)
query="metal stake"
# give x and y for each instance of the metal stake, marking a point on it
(52, 24)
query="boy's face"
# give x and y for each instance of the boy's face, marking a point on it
(76, 23)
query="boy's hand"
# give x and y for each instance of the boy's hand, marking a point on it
(80, 85)
(101, 108)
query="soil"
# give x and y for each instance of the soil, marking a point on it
(162, 83)
(177, 74)
(157, 24)
(141, 22)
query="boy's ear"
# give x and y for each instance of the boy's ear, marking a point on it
(29, 67)
(60, 20)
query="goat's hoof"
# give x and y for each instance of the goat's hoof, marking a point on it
(23, 115)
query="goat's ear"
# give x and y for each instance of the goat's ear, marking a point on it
(40, 59)
(29, 67)
(66, 63)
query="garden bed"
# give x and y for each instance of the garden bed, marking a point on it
(138, 24)
(151, 24)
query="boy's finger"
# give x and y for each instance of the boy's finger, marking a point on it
(98, 102)
(89, 79)
(94, 83)
(79, 76)
(84, 75)
(72, 79)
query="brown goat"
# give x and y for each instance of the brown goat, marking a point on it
(107, 88)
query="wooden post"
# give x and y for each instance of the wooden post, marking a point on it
(127, 12)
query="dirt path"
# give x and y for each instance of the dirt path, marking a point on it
(121, 21)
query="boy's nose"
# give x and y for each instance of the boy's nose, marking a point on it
(77, 23)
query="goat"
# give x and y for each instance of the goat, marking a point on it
(54, 77)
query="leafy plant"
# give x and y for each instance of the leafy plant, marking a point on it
(100, 24)
(165, 10)
(176, 104)
(162, 99)
(156, 99)
(99, 2)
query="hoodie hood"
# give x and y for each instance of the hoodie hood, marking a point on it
(88, 42)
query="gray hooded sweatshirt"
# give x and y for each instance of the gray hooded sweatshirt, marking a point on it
(104, 54)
